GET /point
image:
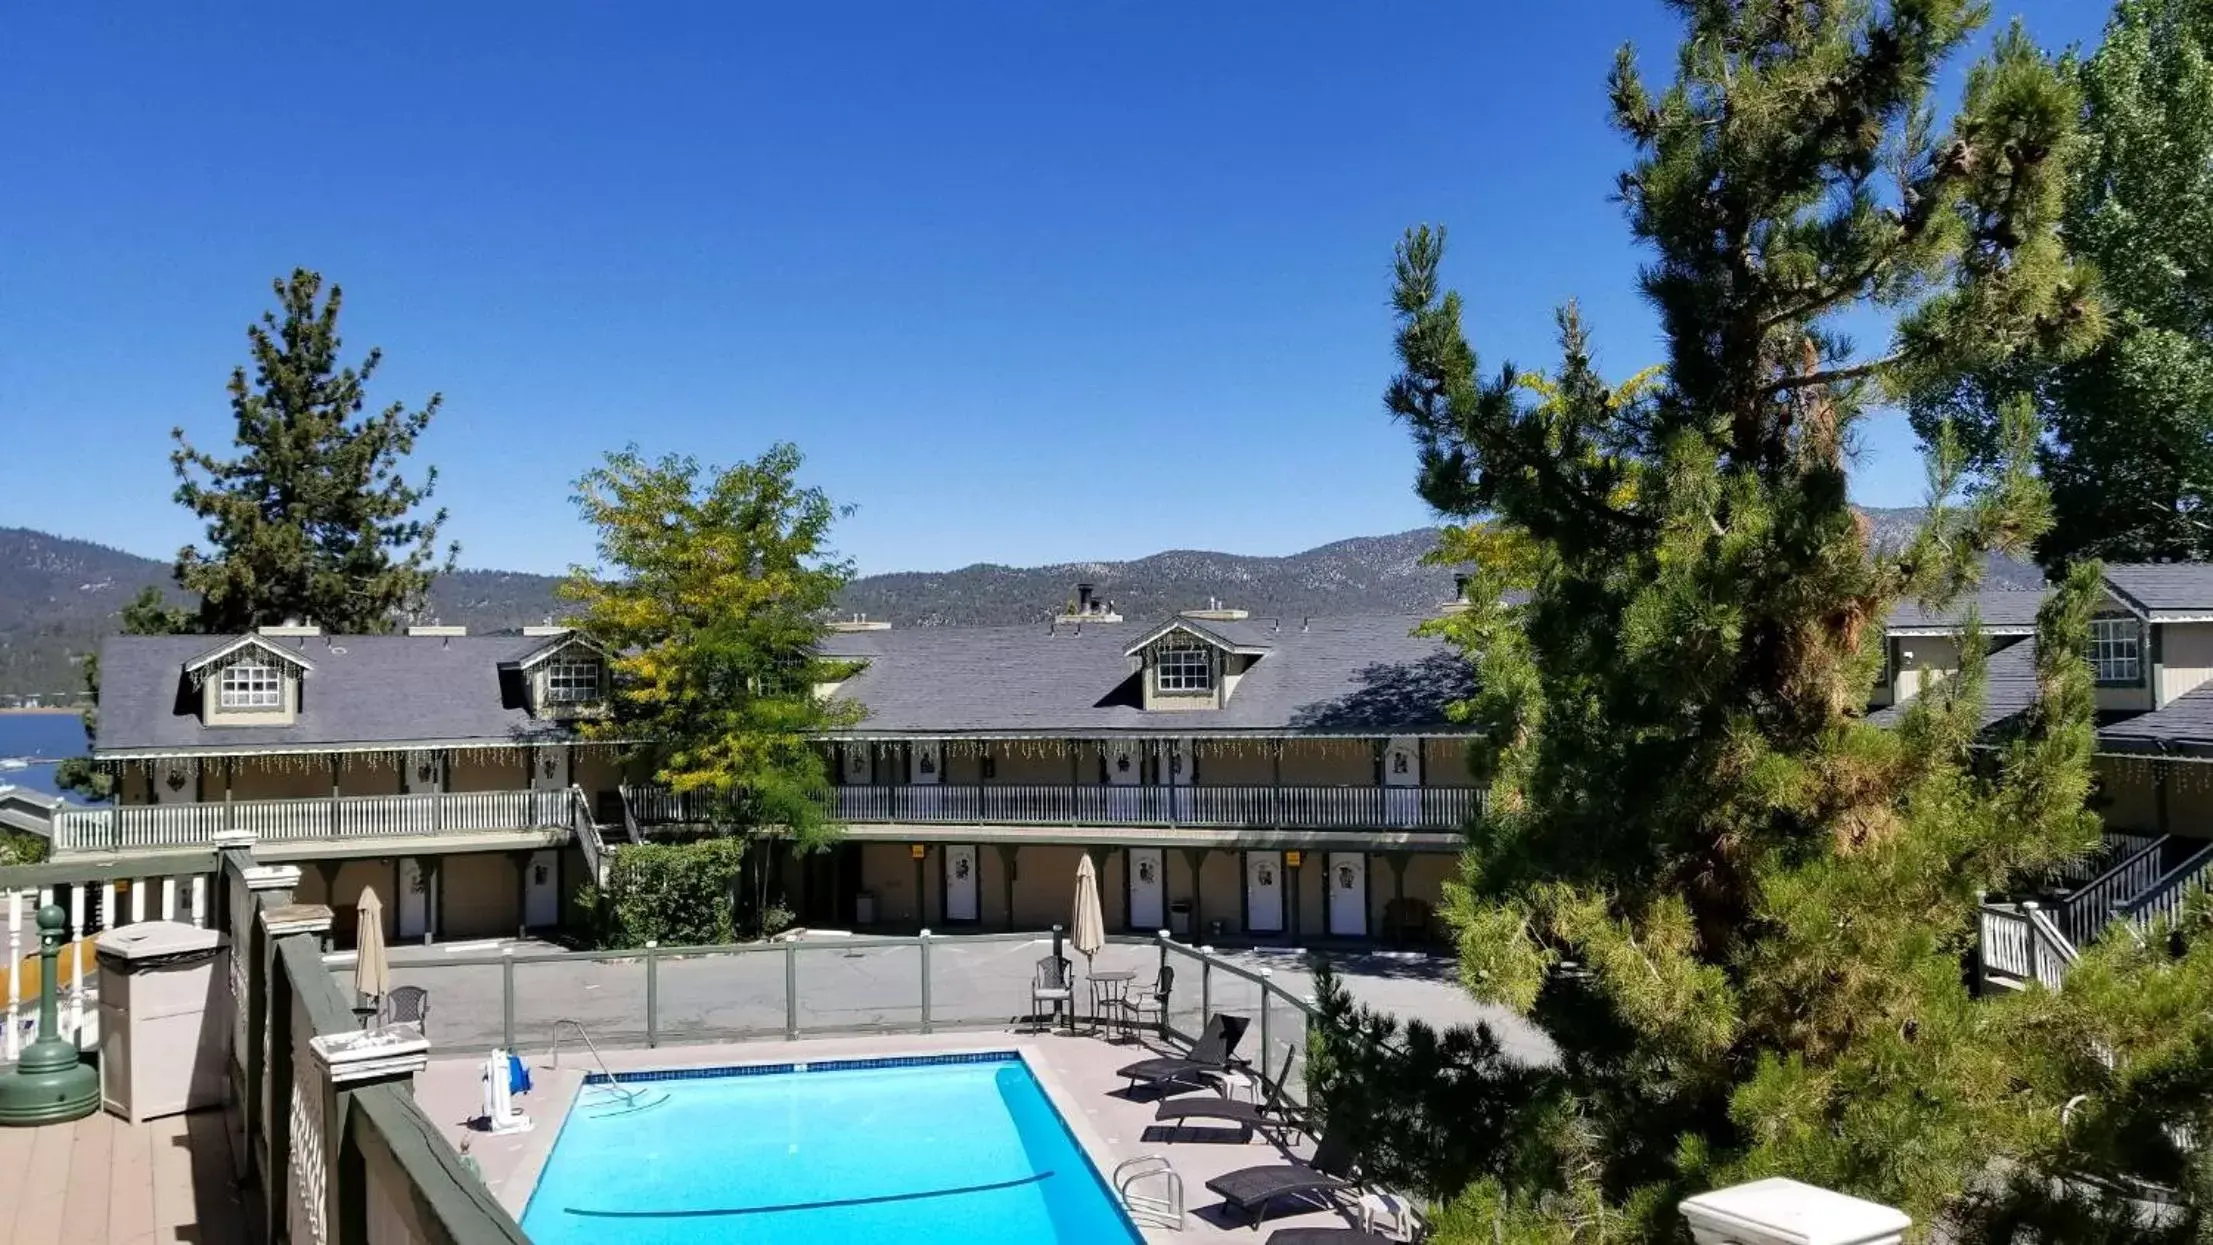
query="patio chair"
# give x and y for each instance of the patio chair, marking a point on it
(408, 1005)
(1318, 1180)
(1054, 983)
(1213, 1052)
(1153, 999)
(1273, 1115)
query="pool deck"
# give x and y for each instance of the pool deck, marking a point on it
(1077, 1073)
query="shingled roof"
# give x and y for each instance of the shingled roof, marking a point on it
(363, 690)
(2009, 686)
(1364, 675)
(2003, 611)
(2163, 590)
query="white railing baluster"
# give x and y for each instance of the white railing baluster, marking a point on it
(138, 900)
(169, 899)
(199, 900)
(107, 904)
(77, 960)
(14, 1040)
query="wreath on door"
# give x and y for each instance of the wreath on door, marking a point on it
(1264, 875)
(960, 868)
(1145, 872)
(1345, 878)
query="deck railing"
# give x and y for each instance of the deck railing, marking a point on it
(1232, 807)
(2019, 944)
(2088, 907)
(96, 898)
(136, 827)
(2163, 899)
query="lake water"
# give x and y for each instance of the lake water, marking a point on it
(49, 735)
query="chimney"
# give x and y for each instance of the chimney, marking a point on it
(1090, 607)
(291, 627)
(1460, 588)
(1083, 598)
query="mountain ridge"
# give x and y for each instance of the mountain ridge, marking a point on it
(60, 596)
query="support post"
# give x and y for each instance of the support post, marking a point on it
(652, 992)
(791, 991)
(921, 853)
(1399, 862)
(507, 998)
(1008, 854)
(924, 942)
(1197, 857)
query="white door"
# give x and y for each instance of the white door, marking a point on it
(414, 910)
(1148, 889)
(1402, 781)
(176, 782)
(960, 882)
(542, 890)
(1125, 769)
(925, 770)
(425, 772)
(1263, 892)
(1348, 894)
(860, 765)
(549, 769)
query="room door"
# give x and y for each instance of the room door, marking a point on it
(1263, 892)
(1348, 894)
(549, 769)
(542, 890)
(1402, 782)
(1148, 889)
(925, 770)
(413, 916)
(961, 882)
(1125, 769)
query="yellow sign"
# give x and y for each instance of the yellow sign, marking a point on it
(918, 851)
(1292, 859)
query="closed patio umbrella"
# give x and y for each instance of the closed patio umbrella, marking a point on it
(372, 976)
(1087, 929)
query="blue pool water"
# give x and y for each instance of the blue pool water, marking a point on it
(925, 1153)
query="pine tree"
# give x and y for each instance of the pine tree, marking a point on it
(312, 521)
(1739, 910)
(2130, 456)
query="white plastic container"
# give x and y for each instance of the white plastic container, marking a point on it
(165, 1019)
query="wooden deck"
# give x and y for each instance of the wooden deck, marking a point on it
(101, 1181)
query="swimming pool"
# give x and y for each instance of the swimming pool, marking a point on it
(932, 1150)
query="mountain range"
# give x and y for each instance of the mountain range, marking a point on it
(59, 596)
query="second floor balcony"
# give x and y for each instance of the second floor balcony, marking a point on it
(190, 824)
(1256, 807)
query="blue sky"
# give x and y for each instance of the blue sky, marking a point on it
(1028, 282)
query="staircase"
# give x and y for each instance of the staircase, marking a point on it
(2145, 884)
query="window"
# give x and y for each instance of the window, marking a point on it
(572, 679)
(251, 685)
(1180, 669)
(2114, 650)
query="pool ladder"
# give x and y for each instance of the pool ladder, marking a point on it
(607, 1077)
(1163, 1209)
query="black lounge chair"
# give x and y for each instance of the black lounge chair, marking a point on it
(1327, 1236)
(1265, 1116)
(1211, 1053)
(1319, 1180)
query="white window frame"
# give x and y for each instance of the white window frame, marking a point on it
(1183, 668)
(2117, 651)
(249, 685)
(574, 680)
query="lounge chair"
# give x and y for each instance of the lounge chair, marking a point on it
(1318, 1180)
(1211, 1053)
(1250, 1116)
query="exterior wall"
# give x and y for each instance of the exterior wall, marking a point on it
(480, 896)
(1045, 888)
(504, 769)
(1922, 661)
(2185, 658)
(1445, 763)
(1221, 893)
(991, 885)
(887, 872)
(1246, 763)
(1043, 763)
(2190, 802)
(2116, 697)
(2128, 794)
(1328, 763)
(1309, 914)
(344, 896)
(369, 773)
(964, 766)
(596, 769)
(1426, 875)
(290, 778)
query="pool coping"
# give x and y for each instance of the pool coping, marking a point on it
(515, 1190)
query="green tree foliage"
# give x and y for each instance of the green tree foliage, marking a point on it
(1739, 910)
(674, 894)
(17, 848)
(2130, 455)
(711, 595)
(312, 521)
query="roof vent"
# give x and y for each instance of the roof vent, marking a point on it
(858, 622)
(290, 627)
(1460, 599)
(1215, 611)
(437, 629)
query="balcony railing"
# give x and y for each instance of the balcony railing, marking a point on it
(1251, 807)
(139, 826)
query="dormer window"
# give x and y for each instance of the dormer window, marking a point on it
(250, 685)
(2116, 651)
(1178, 668)
(573, 679)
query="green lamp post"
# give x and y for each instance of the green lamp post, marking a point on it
(50, 1085)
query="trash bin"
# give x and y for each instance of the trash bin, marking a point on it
(164, 1019)
(864, 908)
(1179, 917)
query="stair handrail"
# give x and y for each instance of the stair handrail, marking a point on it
(1162, 1210)
(629, 1095)
(2164, 896)
(587, 834)
(2088, 907)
